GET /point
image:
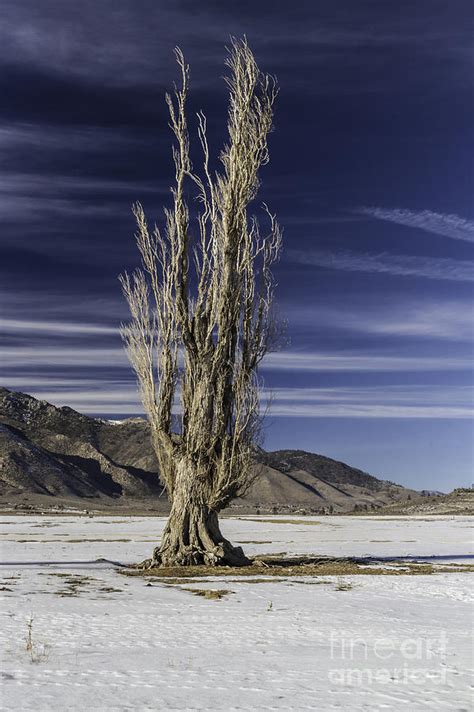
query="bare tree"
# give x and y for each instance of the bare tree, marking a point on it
(201, 317)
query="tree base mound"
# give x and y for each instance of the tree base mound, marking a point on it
(223, 554)
(280, 566)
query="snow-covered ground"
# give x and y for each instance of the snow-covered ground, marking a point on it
(103, 641)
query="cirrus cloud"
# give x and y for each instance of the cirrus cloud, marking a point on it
(443, 268)
(437, 223)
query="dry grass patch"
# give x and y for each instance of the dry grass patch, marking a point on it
(93, 541)
(38, 653)
(209, 593)
(280, 521)
(274, 566)
(67, 593)
(75, 541)
(241, 579)
(50, 573)
(75, 585)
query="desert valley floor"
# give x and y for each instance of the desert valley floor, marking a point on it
(100, 640)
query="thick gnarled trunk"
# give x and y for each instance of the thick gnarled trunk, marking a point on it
(192, 535)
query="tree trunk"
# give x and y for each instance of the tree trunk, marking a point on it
(192, 535)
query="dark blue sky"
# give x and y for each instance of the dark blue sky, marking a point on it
(370, 175)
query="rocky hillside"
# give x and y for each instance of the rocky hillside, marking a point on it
(458, 502)
(51, 452)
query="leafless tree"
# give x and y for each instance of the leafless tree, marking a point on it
(201, 317)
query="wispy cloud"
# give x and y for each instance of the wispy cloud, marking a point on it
(15, 357)
(49, 185)
(437, 223)
(441, 268)
(96, 379)
(22, 209)
(349, 410)
(129, 46)
(401, 401)
(326, 362)
(42, 383)
(450, 320)
(29, 197)
(57, 328)
(431, 319)
(404, 394)
(53, 137)
(108, 398)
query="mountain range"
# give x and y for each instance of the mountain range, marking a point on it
(50, 455)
